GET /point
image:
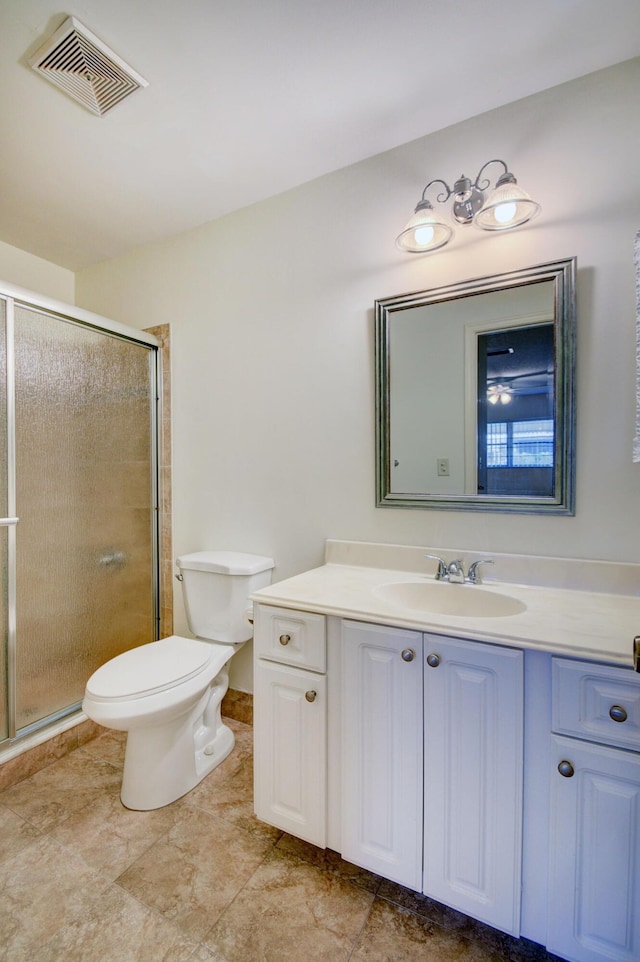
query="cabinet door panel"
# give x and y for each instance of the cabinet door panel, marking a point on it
(290, 750)
(473, 779)
(381, 824)
(594, 880)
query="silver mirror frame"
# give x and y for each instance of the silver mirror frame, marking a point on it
(563, 274)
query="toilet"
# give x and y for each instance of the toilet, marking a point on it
(167, 694)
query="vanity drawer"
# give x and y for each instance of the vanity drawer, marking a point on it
(596, 702)
(290, 637)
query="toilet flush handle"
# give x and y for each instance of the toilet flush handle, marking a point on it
(179, 577)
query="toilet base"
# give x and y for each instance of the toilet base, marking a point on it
(164, 762)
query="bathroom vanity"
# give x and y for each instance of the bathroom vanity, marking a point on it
(489, 759)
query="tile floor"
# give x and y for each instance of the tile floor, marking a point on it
(84, 880)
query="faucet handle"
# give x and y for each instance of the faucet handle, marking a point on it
(472, 575)
(442, 566)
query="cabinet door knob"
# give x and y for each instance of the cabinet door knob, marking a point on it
(566, 769)
(433, 661)
(617, 713)
(285, 639)
(311, 695)
(408, 654)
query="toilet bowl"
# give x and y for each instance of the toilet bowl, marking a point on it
(167, 694)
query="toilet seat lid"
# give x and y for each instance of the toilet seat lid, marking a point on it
(153, 667)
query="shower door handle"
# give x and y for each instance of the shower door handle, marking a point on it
(4, 522)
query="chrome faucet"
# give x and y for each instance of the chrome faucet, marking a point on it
(453, 571)
(472, 575)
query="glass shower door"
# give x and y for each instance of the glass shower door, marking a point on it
(5, 526)
(86, 496)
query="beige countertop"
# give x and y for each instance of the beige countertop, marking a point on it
(579, 623)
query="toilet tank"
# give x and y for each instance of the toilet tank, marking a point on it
(216, 586)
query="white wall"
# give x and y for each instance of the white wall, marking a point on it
(429, 397)
(272, 334)
(26, 270)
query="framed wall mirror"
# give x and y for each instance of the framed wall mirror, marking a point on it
(475, 394)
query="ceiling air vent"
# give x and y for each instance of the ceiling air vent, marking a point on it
(84, 67)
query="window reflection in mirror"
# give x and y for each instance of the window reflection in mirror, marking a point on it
(474, 394)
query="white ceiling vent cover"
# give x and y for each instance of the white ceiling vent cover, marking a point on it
(75, 60)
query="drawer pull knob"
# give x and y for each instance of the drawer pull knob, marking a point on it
(285, 639)
(617, 713)
(311, 695)
(566, 769)
(408, 654)
(433, 661)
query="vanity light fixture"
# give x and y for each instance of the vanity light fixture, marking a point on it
(505, 207)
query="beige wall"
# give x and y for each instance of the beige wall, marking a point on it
(25, 270)
(272, 334)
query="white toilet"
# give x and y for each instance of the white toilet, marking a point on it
(167, 694)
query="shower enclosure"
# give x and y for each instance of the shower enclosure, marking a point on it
(78, 503)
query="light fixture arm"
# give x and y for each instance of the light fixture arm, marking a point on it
(463, 182)
(487, 182)
(441, 198)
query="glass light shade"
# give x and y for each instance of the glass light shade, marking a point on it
(507, 206)
(424, 232)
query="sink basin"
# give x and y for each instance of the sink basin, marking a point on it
(467, 601)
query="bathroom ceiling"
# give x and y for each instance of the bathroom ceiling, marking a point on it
(248, 98)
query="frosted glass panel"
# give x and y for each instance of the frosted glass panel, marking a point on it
(85, 587)
(3, 514)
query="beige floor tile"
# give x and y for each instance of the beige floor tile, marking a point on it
(228, 793)
(445, 917)
(393, 934)
(117, 929)
(238, 727)
(110, 747)
(110, 837)
(291, 911)
(203, 954)
(522, 950)
(238, 705)
(194, 871)
(51, 795)
(204, 869)
(15, 833)
(42, 888)
(329, 861)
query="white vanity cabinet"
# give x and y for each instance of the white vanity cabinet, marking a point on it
(594, 870)
(430, 734)
(473, 742)
(430, 738)
(290, 721)
(381, 741)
